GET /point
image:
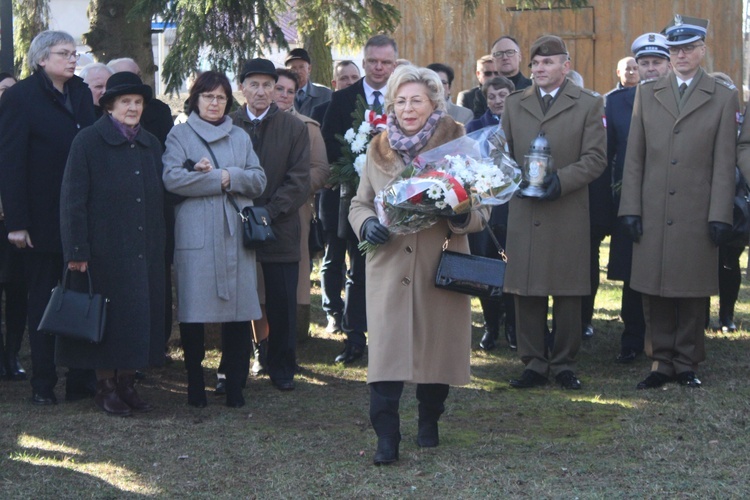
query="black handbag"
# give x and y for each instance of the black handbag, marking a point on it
(75, 315)
(316, 241)
(256, 225)
(475, 275)
(741, 211)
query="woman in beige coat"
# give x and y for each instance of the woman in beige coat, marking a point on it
(417, 333)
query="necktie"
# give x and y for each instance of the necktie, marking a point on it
(300, 97)
(547, 100)
(376, 104)
(256, 126)
(683, 88)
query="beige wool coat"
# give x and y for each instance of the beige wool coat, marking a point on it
(678, 176)
(417, 333)
(548, 241)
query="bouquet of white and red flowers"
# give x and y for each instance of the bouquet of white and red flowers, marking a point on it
(454, 178)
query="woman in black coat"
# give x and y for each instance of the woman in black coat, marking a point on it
(112, 226)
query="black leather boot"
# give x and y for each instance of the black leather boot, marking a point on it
(431, 399)
(384, 402)
(106, 398)
(192, 338)
(128, 394)
(236, 342)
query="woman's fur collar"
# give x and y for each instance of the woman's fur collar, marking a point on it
(389, 161)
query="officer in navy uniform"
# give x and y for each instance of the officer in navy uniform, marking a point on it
(652, 55)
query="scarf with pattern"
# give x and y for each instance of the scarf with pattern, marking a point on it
(409, 146)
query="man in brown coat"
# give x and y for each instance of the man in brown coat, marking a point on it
(548, 237)
(677, 190)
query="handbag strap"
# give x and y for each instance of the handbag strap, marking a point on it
(500, 249)
(66, 277)
(216, 164)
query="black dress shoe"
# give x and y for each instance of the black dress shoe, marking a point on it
(350, 354)
(489, 340)
(221, 387)
(510, 336)
(44, 398)
(387, 451)
(13, 369)
(688, 379)
(727, 325)
(284, 385)
(528, 379)
(588, 332)
(626, 356)
(653, 381)
(568, 380)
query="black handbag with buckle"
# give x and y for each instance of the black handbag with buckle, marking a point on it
(256, 225)
(475, 275)
(75, 315)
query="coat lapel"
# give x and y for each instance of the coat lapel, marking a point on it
(663, 93)
(530, 103)
(701, 95)
(565, 99)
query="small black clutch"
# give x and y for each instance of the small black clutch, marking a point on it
(471, 274)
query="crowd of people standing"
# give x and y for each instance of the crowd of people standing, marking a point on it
(95, 179)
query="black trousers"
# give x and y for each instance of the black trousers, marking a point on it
(384, 404)
(587, 301)
(15, 316)
(730, 278)
(281, 311)
(631, 312)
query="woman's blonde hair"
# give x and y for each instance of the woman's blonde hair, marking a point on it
(413, 74)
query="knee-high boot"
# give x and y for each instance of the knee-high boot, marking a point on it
(384, 401)
(192, 337)
(431, 399)
(236, 339)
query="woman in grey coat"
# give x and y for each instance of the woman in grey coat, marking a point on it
(111, 221)
(207, 160)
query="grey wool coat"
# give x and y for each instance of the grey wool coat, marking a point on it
(214, 272)
(111, 216)
(679, 176)
(416, 332)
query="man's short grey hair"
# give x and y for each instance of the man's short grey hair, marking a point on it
(114, 62)
(413, 74)
(40, 45)
(95, 66)
(575, 77)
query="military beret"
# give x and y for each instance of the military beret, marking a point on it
(650, 44)
(683, 30)
(548, 45)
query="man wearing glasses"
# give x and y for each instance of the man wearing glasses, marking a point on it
(474, 99)
(676, 204)
(507, 56)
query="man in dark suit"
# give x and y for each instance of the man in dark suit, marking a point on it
(677, 192)
(652, 55)
(507, 56)
(381, 53)
(473, 99)
(345, 74)
(309, 94)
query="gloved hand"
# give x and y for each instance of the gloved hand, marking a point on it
(374, 232)
(552, 188)
(523, 185)
(633, 226)
(720, 232)
(458, 219)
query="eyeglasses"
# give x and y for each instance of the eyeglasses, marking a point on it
(504, 53)
(66, 54)
(686, 49)
(491, 73)
(415, 103)
(211, 98)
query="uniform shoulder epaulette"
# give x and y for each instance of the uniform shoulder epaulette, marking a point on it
(647, 80)
(615, 91)
(726, 84)
(592, 93)
(516, 91)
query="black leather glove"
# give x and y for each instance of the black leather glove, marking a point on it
(459, 219)
(523, 185)
(633, 226)
(552, 188)
(374, 232)
(720, 232)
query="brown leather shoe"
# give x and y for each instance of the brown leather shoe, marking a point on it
(128, 394)
(107, 399)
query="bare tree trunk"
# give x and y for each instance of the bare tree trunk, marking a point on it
(114, 35)
(315, 42)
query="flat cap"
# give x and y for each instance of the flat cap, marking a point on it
(258, 66)
(548, 45)
(683, 30)
(297, 54)
(650, 44)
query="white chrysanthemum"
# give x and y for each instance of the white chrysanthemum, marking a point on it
(364, 128)
(359, 143)
(440, 204)
(359, 164)
(350, 135)
(482, 185)
(463, 175)
(435, 192)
